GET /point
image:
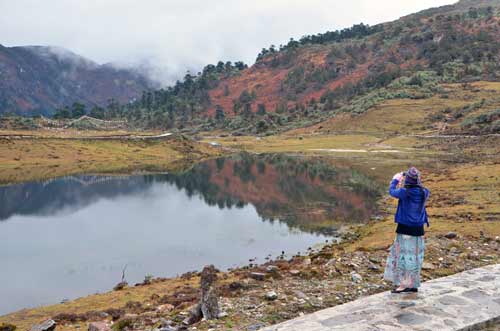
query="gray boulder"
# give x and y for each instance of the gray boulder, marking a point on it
(48, 325)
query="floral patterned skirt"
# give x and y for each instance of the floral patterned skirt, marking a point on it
(405, 261)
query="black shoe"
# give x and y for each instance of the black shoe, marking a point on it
(406, 290)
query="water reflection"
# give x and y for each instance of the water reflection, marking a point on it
(71, 236)
(309, 194)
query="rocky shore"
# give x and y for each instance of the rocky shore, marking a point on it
(253, 296)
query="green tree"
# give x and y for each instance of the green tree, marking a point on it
(77, 110)
(261, 109)
(62, 113)
(97, 112)
(219, 113)
(247, 110)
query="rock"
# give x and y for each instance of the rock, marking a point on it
(257, 275)
(120, 286)
(165, 322)
(222, 314)
(450, 235)
(165, 308)
(307, 261)
(194, 315)
(271, 296)
(167, 328)
(373, 267)
(428, 266)
(272, 268)
(234, 286)
(209, 300)
(208, 307)
(356, 277)
(301, 295)
(210, 304)
(294, 272)
(255, 327)
(48, 325)
(99, 326)
(331, 263)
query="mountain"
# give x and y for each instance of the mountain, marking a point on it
(309, 80)
(455, 42)
(38, 79)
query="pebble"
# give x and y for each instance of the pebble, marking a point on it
(272, 268)
(165, 308)
(271, 296)
(255, 327)
(356, 277)
(222, 314)
(428, 266)
(450, 235)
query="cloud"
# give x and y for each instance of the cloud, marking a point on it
(173, 36)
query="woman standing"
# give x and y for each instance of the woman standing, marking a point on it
(407, 252)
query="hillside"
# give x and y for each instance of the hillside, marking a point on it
(37, 80)
(317, 77)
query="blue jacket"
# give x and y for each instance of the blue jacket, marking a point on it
(411, 205)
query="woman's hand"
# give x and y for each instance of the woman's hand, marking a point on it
(398, 176)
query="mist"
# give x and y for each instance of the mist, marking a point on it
(168, 37)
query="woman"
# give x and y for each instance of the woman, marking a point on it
(407, 252)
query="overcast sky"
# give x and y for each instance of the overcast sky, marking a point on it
(176, 35)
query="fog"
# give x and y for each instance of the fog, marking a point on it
(172, 36)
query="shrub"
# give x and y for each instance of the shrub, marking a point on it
(7, 327)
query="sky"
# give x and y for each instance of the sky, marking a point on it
(174, 36)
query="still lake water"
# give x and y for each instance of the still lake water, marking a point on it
(71, 236)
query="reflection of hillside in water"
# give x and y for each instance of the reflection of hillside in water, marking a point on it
(309, 194)
(66, 193)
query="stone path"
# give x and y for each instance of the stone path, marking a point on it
(469, 300)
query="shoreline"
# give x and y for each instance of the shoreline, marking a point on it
(297, 280)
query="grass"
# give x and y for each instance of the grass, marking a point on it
(24, 319)
(33, 159)
(477, 214)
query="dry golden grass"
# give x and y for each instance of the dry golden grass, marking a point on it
(408, 116)
(464, 199)
(30, 159)
(25, 318)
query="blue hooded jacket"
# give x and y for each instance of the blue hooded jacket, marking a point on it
(411, 205)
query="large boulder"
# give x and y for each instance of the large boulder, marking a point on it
(208, 307)
(209, 300)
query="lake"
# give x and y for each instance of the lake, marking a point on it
(72, 236)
